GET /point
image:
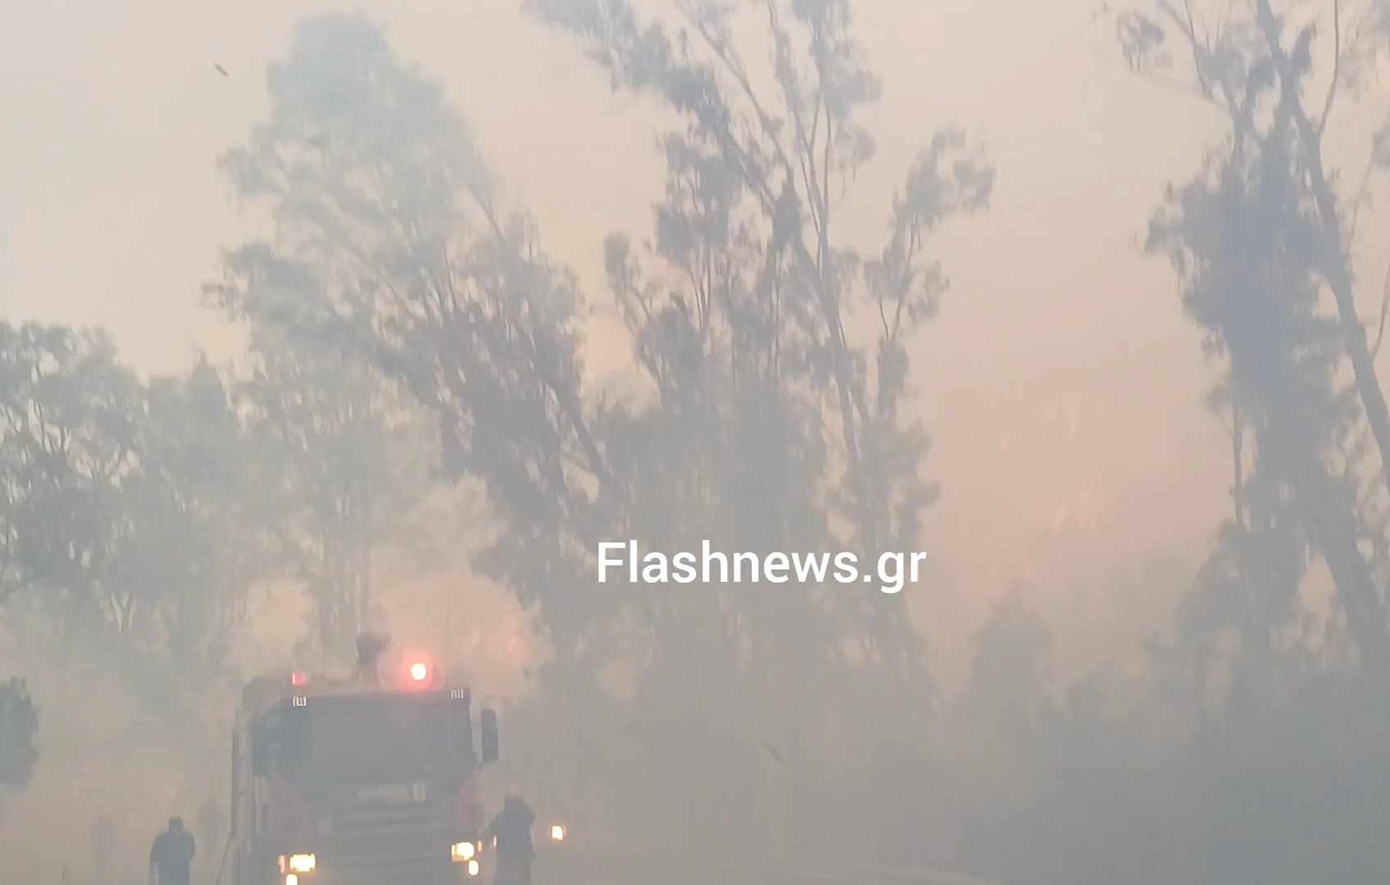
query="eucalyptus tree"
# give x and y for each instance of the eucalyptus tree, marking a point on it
(68, 417)
(342, 468)
(1265, 242)
(763, 423)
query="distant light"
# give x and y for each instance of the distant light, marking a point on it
(557, 833)
(291, 879)
(303, 863)
(472, 868)
(418, 672)
(298, 679)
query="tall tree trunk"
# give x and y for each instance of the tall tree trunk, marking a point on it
(1333, 531)
(1334, 248)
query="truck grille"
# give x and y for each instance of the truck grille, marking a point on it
(374, 842)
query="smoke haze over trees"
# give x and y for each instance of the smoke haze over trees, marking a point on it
(417, 359)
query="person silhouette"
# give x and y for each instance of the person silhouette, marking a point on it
(512, 830)
(171, 855)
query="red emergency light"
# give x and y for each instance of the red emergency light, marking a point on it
(414, 670)
(299, 679)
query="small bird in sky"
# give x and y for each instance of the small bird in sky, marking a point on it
(221, 70)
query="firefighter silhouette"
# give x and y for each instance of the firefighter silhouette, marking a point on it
(512, 830)
(171, 855)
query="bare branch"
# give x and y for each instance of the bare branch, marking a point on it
(1336, 67)
(1361, 191)
(1384, 308)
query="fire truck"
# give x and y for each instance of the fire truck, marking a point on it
(368, 779)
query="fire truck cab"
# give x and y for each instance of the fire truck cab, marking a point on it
(360, 780)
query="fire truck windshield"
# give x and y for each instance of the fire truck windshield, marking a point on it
(372, 738)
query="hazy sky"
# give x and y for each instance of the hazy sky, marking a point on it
(1061, 382)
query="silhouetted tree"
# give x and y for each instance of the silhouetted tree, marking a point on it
(765, 427)
(124, 518)
(68, 411)
(1257, 240)
(343, 460)
(191, 542)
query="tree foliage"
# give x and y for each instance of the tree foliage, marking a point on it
(400, 295)
(1264, 243)
(106, 477)
(766, 427)
(66, 408)
(138, 516)
(341, 468)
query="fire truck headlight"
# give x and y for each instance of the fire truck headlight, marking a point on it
(557, 833)
(303, 863)
(462, 851)
(472, 868)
